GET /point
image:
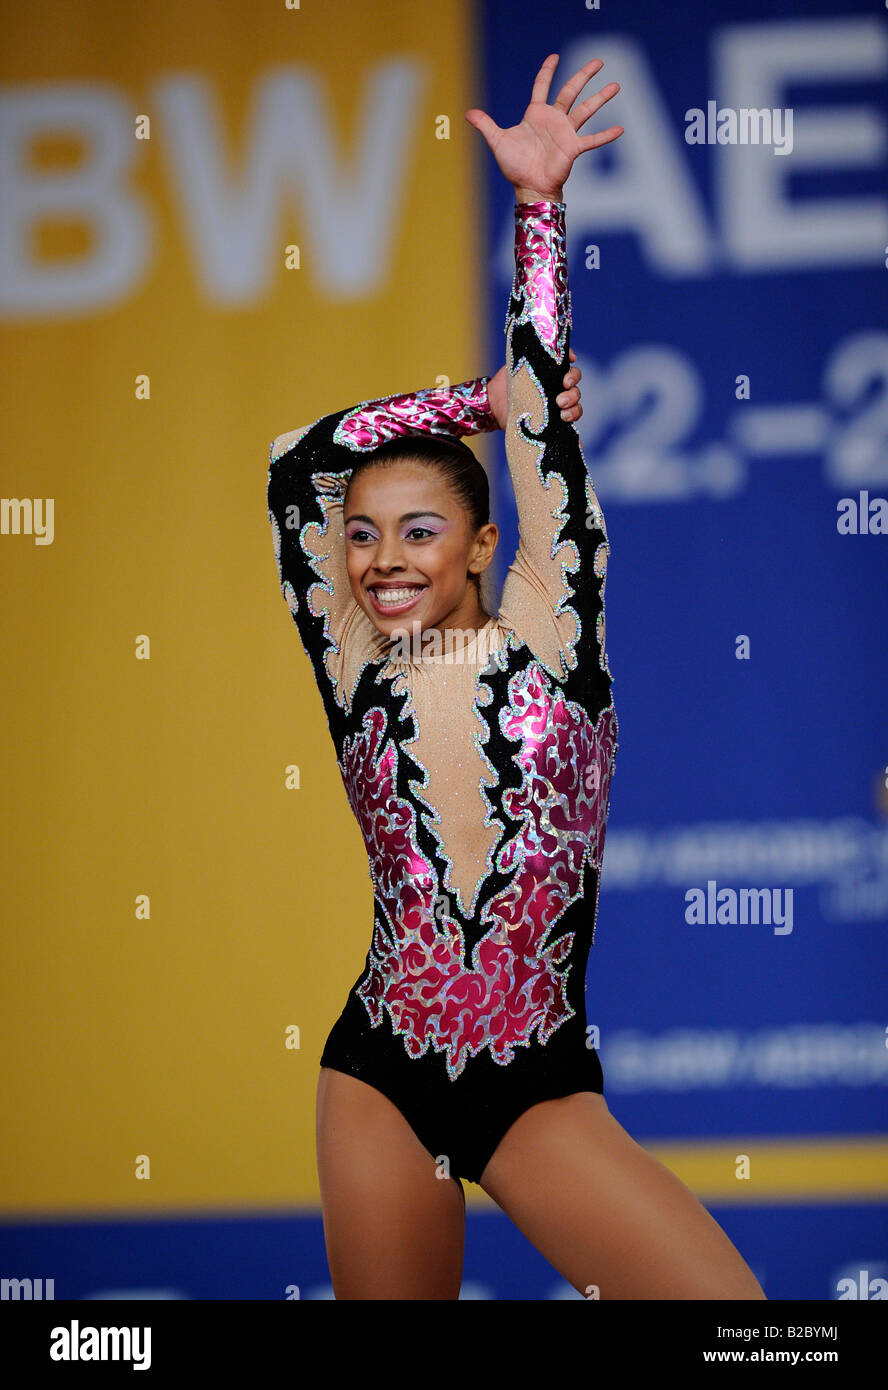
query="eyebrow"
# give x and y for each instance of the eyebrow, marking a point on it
(407, 516)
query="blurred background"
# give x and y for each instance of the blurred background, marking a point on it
(222, 221)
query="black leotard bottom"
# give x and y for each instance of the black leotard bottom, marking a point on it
(465, 1119)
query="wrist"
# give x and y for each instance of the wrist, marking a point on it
(533, 195)
(497, 399)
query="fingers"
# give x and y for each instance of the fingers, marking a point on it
(544, 78)
(483, 123)
(592, 104)
(569, 399)
(592, 142)
(575, 84)
(564, 100)
(572, 376)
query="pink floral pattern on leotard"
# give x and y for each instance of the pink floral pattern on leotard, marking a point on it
(541, 273)
(516, 985)
(453, 410)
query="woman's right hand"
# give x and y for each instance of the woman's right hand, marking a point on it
(537, 155)
(568, 401)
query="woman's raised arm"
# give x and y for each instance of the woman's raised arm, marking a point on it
(554, 590)
(308, 473)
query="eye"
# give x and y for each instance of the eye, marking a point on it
(356, 535)
(427, 529)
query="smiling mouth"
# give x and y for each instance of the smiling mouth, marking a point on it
(395, 598)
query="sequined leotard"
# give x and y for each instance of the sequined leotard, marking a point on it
(481, 786)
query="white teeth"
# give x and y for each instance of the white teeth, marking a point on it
(395, 596)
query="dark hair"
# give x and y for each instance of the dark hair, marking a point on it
(453, 459)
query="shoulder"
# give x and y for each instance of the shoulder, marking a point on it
(286, 441)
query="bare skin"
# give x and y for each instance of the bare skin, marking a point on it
(613, 1220)
(393, 1230)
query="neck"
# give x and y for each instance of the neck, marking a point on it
(469, 614)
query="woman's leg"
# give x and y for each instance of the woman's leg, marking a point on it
(392, 1228)
(607, 1214)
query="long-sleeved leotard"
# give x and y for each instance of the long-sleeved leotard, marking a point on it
(480, 780)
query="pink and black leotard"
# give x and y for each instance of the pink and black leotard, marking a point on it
(481, 785)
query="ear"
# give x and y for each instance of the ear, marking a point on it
(484, 547)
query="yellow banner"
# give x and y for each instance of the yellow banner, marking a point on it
(220, 222)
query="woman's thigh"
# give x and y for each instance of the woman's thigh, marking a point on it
(393, 1229)
(607, 1215)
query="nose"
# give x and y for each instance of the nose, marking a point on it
(389, 554)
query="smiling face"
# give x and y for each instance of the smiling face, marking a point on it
(411, 551)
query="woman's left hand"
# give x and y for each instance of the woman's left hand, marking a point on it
(569, 400)
(537, 154)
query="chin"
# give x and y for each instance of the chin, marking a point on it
(387, 626)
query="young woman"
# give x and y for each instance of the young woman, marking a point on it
(476, 750)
